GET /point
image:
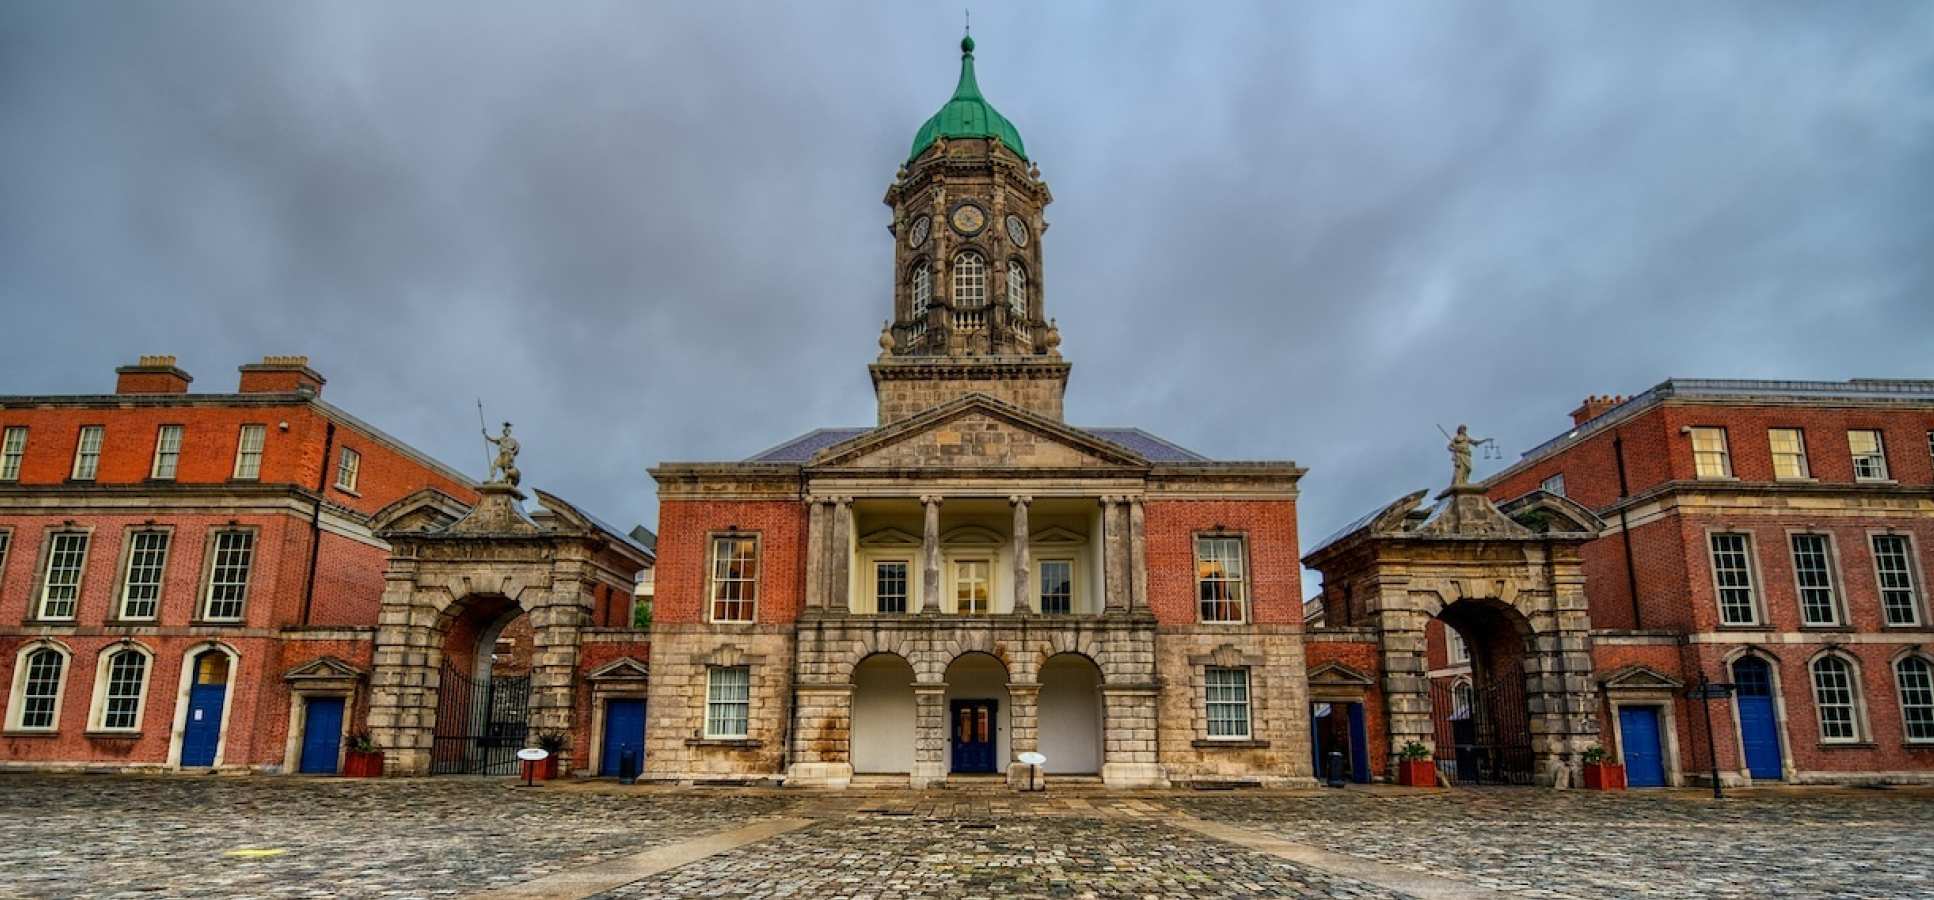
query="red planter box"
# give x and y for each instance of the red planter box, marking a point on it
(542, 770)
(360, 764)
(1605, 776)
(1417, 772)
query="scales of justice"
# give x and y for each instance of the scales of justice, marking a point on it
(1460, 447)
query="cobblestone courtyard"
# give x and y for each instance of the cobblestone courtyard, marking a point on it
(107, 836)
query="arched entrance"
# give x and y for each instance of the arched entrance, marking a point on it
(978, 732)
(881, 741)
(1071, 715)
(483, 688)
(1482, 724)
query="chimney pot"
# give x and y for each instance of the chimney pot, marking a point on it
(281, 375)
(153, 374)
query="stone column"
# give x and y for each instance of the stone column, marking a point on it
(929, 735)
(1137, 556)
(930, 557)
(1114, 566)
(557, 618)
(1128, 746)
(1023, 733)
(403, 677)
(1022, 593)
(1406, 684)
(840, 563)
(822, 738)
(816, 527)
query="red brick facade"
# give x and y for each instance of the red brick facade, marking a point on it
(1269, 531)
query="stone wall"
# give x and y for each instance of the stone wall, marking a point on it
(676, 748)
(906, 388)
(1277, 751)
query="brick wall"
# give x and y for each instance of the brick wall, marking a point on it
(1275, 570)
(684, 554)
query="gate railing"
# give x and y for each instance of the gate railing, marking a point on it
(481, 723)
(1482, 732)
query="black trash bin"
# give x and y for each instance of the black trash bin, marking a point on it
(1335, 768)
(628, 767)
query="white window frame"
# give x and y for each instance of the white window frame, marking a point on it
(6, 545)
(1828, 572)
(1235, 580)
(17, 698)
(1016, 291)
(1890, 582)
(717, 580)
(250, 444)
(1456, 651)
(218, 564)
(167, 453)
(1074, 591)
(721, 699)
(958, 581)
(969, 290)
(13, 449)
(1748, 567)
(906, 585)
(87, 453)
(1923, 702)
(1243, 703)
(1722, 454)
(104, 688)
(1878, 456)
(349, 467)
(1855, 721)
(79, 569)
(920, 296)
(1555, 484)
(1796, 454)
(144, 560)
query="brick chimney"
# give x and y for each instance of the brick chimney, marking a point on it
(280, 375)
(152, 375)
(1594, 406)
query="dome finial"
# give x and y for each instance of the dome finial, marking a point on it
(967, 34)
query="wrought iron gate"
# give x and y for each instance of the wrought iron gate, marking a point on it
(1483, 733)
(480, 723)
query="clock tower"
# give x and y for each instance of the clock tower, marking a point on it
(968, 312)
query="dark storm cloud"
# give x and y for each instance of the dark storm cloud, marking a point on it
(654, 232)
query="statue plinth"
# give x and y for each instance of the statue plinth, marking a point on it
(1462, 490)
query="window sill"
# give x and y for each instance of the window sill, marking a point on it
(1808, 479)
(1223, 624)
(347, 491)
(216, 623)
(94, 735)
(1880, 481)
(156, 479)
(48, 623)
(1229, 744)
(1917, 745)
(1849, 745)
(1715, 478)
(726, 743)
(115, 622)
(31, 733)
(1828, 629)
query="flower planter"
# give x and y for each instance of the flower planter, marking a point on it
(1417, 772)
(1605, 776)
(362, 764)
(542, 770)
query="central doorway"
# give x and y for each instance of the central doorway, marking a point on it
(977, 714)
(483, 694)
(973, 736)
(1481, 723)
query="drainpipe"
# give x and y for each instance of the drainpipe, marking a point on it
(1625, 530)
(315, 523)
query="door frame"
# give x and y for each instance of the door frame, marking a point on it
(993, 734)
(186, 687)
(624, 678)
(299, 726)
(1667, 710)
(601, 707)
(1788, 775)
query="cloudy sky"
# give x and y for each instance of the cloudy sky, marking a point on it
(653, 232)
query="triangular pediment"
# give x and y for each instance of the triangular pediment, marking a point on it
(889, 537)
(325, 668)
(1338, 674)
(1639, 677)
(1056, 535)
(977, 432)
(622, 668)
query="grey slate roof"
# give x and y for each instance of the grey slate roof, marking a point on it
(802, 448)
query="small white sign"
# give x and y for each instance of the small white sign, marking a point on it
(533, 754)
(1034, 759)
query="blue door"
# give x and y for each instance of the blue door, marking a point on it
(1638, 736)
(1757, 726)
(204, 730)
(624, 732)
(321, 735)
(973, 736)
(1359, 746)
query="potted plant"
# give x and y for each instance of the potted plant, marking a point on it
(550, 742)
(1415, 768)
(1601, 774)
(363, 759)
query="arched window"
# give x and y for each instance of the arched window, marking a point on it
(123, 681)
(922, 293)
(1016, 291)
(1834, 697)
(970, 290)
(41, 673)
(1914, 679)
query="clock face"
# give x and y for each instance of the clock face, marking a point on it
(917, 235)
(968, 219)
(1017, 231)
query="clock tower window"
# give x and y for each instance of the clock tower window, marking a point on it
(1016, 292)
(970, 290)
(921, 291)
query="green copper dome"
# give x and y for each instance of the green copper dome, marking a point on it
(968, 114)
